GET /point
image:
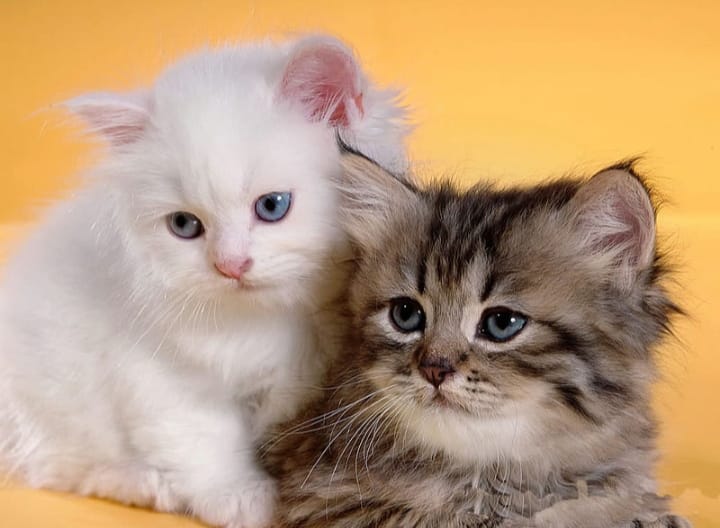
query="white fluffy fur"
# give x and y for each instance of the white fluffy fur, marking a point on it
(129, 367)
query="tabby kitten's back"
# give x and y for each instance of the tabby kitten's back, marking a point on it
(499, 362)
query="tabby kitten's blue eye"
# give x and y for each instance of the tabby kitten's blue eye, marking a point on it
(407, 315)
(185, 225)
(273, 206)
(501, 324)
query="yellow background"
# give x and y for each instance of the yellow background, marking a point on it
(514, 91)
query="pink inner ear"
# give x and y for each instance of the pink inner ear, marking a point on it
(118, 126)
(119, 118)
(324, 79)
(624, 230)
(619, 217)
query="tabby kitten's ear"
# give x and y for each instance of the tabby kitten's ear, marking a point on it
(616, 220)
(370, 198)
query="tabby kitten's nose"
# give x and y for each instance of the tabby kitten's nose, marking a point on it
(436, 371)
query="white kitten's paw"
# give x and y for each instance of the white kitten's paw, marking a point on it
(251, 505)
(257, 504)
(136, 485)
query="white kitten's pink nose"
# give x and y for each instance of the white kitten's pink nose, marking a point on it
(234, 268)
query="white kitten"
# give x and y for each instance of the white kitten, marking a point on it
(162, 318)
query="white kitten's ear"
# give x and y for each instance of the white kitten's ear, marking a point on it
(323, 76)
(120, 119)
(616, 218)
(370, 198)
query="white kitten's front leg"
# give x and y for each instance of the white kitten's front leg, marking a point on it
(224, 485)
(205, 452)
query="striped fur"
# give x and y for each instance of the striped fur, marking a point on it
(550, 429)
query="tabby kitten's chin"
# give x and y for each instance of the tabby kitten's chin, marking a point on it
(498, 364)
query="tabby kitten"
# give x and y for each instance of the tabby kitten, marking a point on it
(499, 365)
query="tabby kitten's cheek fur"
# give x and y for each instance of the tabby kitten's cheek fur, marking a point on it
(499, 365)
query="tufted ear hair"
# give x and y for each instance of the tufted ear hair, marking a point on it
(616, 218)
(370, 198)
(323, 77)
(119, 119)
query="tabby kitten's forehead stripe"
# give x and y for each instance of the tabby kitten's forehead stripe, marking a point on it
(498, 361)
(478, 218)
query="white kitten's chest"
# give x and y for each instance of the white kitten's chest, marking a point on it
(249, 355)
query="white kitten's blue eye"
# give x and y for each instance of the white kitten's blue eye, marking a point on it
(185, 225)
(501, 324)
(407, 315)
(273, 206)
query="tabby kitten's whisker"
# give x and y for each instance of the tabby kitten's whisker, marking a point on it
(332, 436)
(309, 425)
